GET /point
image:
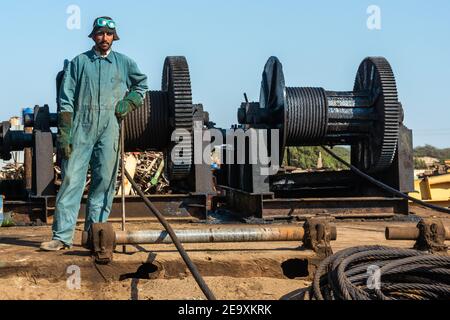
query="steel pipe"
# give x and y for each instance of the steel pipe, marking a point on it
(215, 235)
(408, 233)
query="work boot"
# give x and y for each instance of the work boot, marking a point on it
(54, 245)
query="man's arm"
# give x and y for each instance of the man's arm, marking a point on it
(137, 87)
(65, 115)
(137, 80)
(68, 88)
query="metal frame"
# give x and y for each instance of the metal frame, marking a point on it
(338, 193)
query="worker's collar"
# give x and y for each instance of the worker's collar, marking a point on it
(97, 55)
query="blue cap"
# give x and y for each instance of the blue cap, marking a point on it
(27, 111)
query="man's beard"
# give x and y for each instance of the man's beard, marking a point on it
(100, 48)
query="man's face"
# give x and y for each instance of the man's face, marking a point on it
(104, 40)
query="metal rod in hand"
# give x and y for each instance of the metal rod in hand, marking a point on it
(122, 165)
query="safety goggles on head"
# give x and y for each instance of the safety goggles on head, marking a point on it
(102, 22)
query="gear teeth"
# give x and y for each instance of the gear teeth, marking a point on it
(177, 82)
(390, 109)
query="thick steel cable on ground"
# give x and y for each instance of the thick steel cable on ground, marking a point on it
(198, 278)
(382, 273)
(384, 186)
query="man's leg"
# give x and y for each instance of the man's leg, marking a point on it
(69, 196)
(104, 167)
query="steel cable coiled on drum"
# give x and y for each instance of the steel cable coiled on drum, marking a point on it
(307, 115)
(382, 273)
(147, 128)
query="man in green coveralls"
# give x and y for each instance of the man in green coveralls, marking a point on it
(100, 87)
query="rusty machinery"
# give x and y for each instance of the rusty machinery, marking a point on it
(148, 128)
(428, 234)
(369, 119)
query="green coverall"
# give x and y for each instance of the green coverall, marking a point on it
(91, 88)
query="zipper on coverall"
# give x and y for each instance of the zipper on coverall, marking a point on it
(99, 93)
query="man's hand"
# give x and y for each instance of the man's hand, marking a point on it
(131, 102)
(123, 107)
(65, 120)
(66, 151)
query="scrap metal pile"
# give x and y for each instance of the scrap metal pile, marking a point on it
(12, 171)
(148, 169)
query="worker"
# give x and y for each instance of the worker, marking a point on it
(100, 87)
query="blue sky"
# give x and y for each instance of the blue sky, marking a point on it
(227, 43)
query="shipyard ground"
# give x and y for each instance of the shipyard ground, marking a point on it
(234, 271)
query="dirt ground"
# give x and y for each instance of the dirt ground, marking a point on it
(234, 271)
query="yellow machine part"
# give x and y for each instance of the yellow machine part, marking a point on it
(434, 189)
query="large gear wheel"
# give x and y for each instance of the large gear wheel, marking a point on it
(176, 82)
(375, 77)
(273, 99)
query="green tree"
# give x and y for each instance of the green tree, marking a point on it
(430, 151)
(307, 157)
(419, 164)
